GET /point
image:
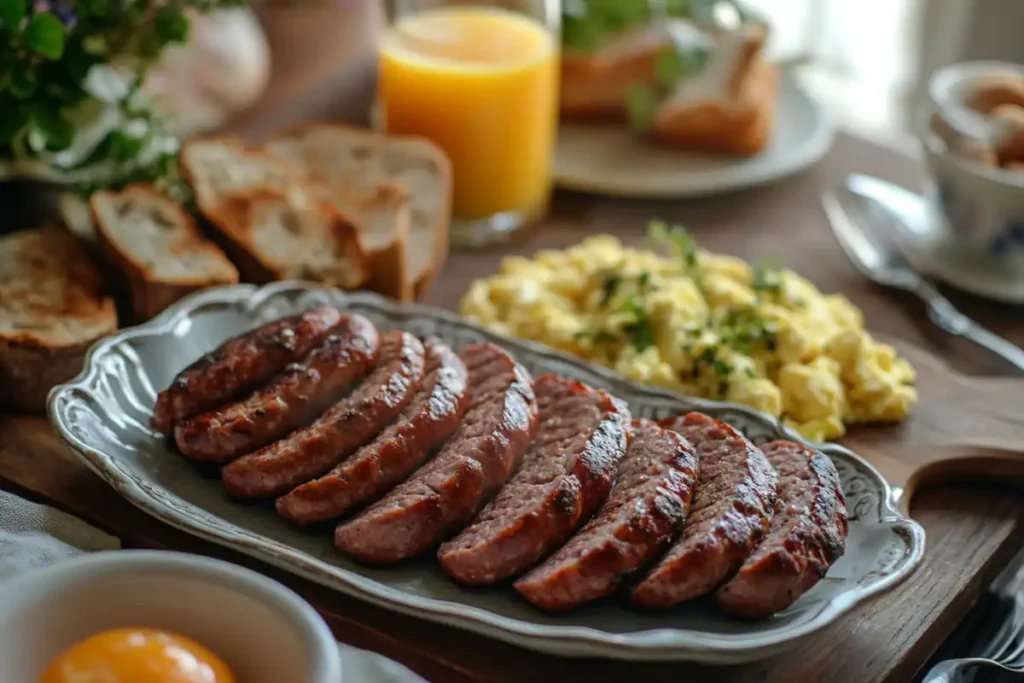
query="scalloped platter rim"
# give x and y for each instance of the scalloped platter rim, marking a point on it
(102, 415)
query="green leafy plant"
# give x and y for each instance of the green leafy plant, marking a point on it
(72, 107)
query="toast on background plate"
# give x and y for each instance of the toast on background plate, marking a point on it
(157, 246)
(360, 161)
(594, 85)
(290, 234)
(53, 306)
(729, 105)
(701, 90)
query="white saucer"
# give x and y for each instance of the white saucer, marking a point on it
(930, 249)
(611, 160)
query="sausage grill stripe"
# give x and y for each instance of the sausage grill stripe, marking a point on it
(291, 400)
(426, 422)
(350, 423)
(565, 475)
(732, 508)
(239, 365)
(807, 535)
(444, 495)
(641, 517)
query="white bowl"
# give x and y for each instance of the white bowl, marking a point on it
(263, 631)
(980, 208)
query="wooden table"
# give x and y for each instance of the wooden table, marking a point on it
(973, 531)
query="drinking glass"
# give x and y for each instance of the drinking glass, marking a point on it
(480, 79)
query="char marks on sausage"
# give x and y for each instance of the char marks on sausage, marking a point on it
(291, 400)
(352, 422)
(444, 495)
(732, 508)
(643, 515)
(239, 365)
(806, 537)
(375, 468)
(565, 475)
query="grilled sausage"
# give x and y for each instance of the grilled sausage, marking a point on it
(806, 537)
(565, 476)
(291, 400)
(347, 425)
(426, 422)
(239, 365)
(732, 508)
(643, 514)
(444, 495)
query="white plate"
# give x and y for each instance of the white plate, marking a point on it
(103, 412)
(609, 159)
(925, 241)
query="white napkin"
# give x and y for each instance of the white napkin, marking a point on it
(34, 535)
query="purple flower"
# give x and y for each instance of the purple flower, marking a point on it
(56, 8)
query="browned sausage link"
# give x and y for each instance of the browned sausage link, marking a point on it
(239, 365)
(292, 399)
(312, 451)
(643, 514)
(378, 466)
(565, 476)
(443, 495)
(807, 535)
(732, 508)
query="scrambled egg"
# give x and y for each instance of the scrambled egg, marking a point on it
(702, 324)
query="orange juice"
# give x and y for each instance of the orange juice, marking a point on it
(481, 82)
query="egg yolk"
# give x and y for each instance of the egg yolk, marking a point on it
(135, 655)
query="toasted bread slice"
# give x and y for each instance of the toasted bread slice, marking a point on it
(729, 106)
(216, 168)
(344, 157)
(384, 219)
(594, 84)
(157, 246)
(53, 306)
(274, 234)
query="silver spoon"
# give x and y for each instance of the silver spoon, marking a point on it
(862, 230)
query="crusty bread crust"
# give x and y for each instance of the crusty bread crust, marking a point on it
(434, 157)
(594, 84)
(53, 307)
(741, 126)
(389, 262)
(152, 292)
(309, 218)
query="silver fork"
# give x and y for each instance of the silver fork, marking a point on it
(1005, 651)
(863, 229)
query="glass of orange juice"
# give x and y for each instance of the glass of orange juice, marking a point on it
(480, 79)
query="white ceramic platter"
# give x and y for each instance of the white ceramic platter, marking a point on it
(103, 413)
(611, 160)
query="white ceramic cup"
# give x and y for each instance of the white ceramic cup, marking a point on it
(980, 207)
(262, 630)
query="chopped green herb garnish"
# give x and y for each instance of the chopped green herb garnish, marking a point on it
(681, 243)
(609, 284)
(641, 105)
(767, 277)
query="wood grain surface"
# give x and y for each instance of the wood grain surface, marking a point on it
(973, 530)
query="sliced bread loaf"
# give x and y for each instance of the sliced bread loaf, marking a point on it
(218, 167)
(53, 306)
(354, 161)
(383, 219)
(274, 234)
(157, 246)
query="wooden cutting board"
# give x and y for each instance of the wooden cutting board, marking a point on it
(962, 429)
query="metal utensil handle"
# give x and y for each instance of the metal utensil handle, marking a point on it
(945, 315)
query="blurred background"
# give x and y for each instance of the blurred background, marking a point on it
(865, 60)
